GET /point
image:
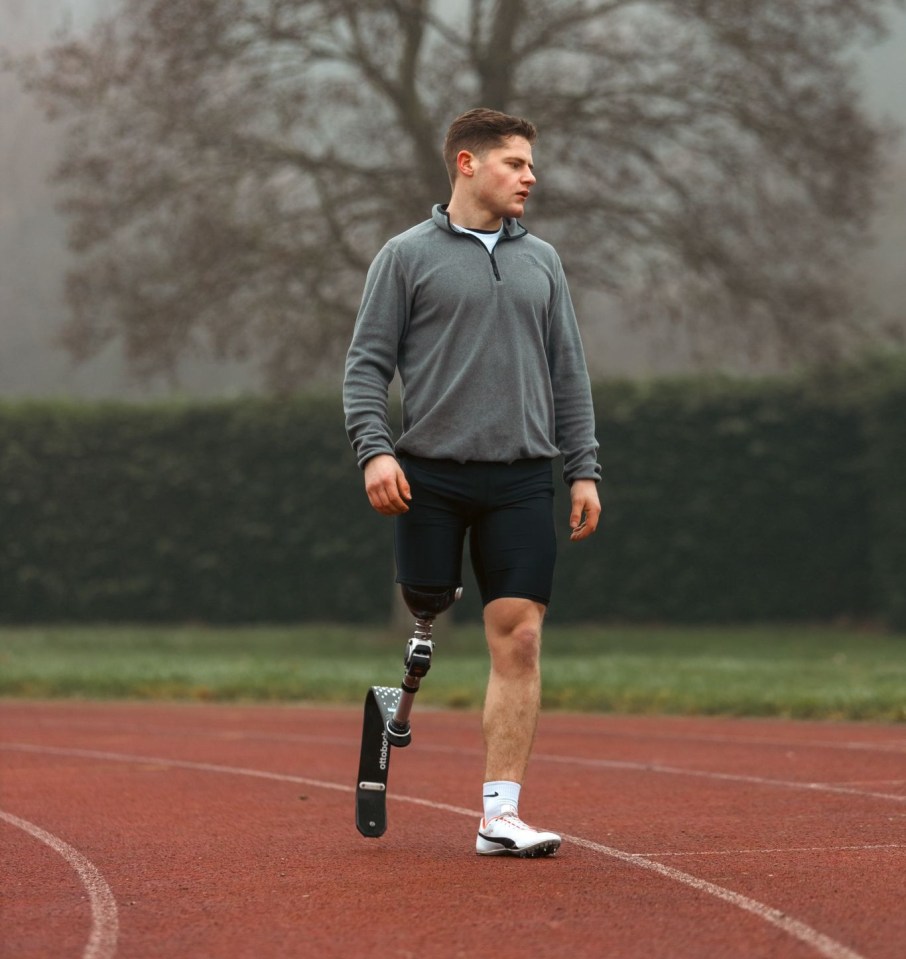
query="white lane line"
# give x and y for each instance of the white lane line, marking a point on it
(176, 763)
(725, 777)
(885, 746)
(780, 850)
(822, 944)
(872, 782)
(104, 916)
(643, 767)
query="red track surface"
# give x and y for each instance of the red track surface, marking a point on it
(215, 831)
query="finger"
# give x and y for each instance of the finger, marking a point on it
(380, 500)
(579, 513)
(397, 492)
(391, 497)
(588, 523)
(580, 531)
(592, 518)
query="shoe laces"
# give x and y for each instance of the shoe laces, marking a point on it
(512, 818)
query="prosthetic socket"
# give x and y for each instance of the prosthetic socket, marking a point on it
(425, 603)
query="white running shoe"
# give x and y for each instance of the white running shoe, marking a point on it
(508, 835)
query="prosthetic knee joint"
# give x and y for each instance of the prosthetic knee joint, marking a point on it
(425, 603)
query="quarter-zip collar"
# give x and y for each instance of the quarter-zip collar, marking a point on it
(512, 230)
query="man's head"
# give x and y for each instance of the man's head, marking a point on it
(481, 130)
(489, 158)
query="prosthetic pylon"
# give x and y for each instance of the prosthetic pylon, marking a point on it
(387, 709)
(425, 605)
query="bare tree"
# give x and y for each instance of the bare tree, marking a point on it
(232, 166)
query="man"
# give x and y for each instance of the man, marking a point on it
(475, 314)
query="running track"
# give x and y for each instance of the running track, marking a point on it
(189, 831)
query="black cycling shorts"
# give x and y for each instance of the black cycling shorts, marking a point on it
(507, 509)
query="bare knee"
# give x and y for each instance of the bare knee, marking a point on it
(525, 648)
(513, 629)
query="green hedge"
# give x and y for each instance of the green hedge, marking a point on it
(725, 500)
(238, 511)
(888, 469)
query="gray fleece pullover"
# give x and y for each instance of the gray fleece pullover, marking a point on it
(487, 347)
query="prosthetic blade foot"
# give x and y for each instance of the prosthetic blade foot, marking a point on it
(374, 761)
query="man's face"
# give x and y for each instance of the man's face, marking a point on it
(503, 178)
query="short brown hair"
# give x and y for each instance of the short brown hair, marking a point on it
(480, 130)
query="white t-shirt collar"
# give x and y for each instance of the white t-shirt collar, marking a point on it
(487, 237)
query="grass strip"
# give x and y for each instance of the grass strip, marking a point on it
(793, 671)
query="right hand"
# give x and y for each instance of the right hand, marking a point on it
(386, 485)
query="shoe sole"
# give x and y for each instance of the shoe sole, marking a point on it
(547, 848)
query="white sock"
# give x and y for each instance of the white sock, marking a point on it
(499, 796)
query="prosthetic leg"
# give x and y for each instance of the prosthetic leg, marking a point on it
(386, 718)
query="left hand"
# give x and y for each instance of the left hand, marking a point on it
(586, 509)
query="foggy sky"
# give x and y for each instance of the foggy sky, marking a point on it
(32, 235)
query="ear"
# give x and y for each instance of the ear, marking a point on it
(465, 163)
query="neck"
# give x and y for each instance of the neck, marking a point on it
(471, 217)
